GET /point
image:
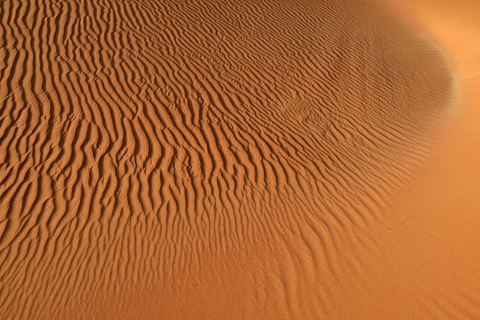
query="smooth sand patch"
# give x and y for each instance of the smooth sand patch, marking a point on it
(429, 265)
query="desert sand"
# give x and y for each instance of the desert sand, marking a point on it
(220, 159)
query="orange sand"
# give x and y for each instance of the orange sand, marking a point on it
(221, 159)
(429, 266)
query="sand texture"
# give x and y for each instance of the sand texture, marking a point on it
(221, 159)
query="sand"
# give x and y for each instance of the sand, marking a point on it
(221, 159)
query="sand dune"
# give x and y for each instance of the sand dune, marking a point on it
(205, 159)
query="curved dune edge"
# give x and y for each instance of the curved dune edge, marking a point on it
(185, 159)
(430, 248)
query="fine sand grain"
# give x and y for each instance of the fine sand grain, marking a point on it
(215, 159)
(428, 266)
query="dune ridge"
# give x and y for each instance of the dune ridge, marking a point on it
(140, 140)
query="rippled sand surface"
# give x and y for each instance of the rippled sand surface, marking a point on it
(217, 159)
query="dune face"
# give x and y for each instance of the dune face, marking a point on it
(202, 159)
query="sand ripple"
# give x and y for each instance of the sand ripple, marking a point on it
(140, 139)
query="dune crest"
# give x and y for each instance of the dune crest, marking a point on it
(163, 144)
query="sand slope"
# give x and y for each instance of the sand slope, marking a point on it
(428, 266)
(203, 159)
